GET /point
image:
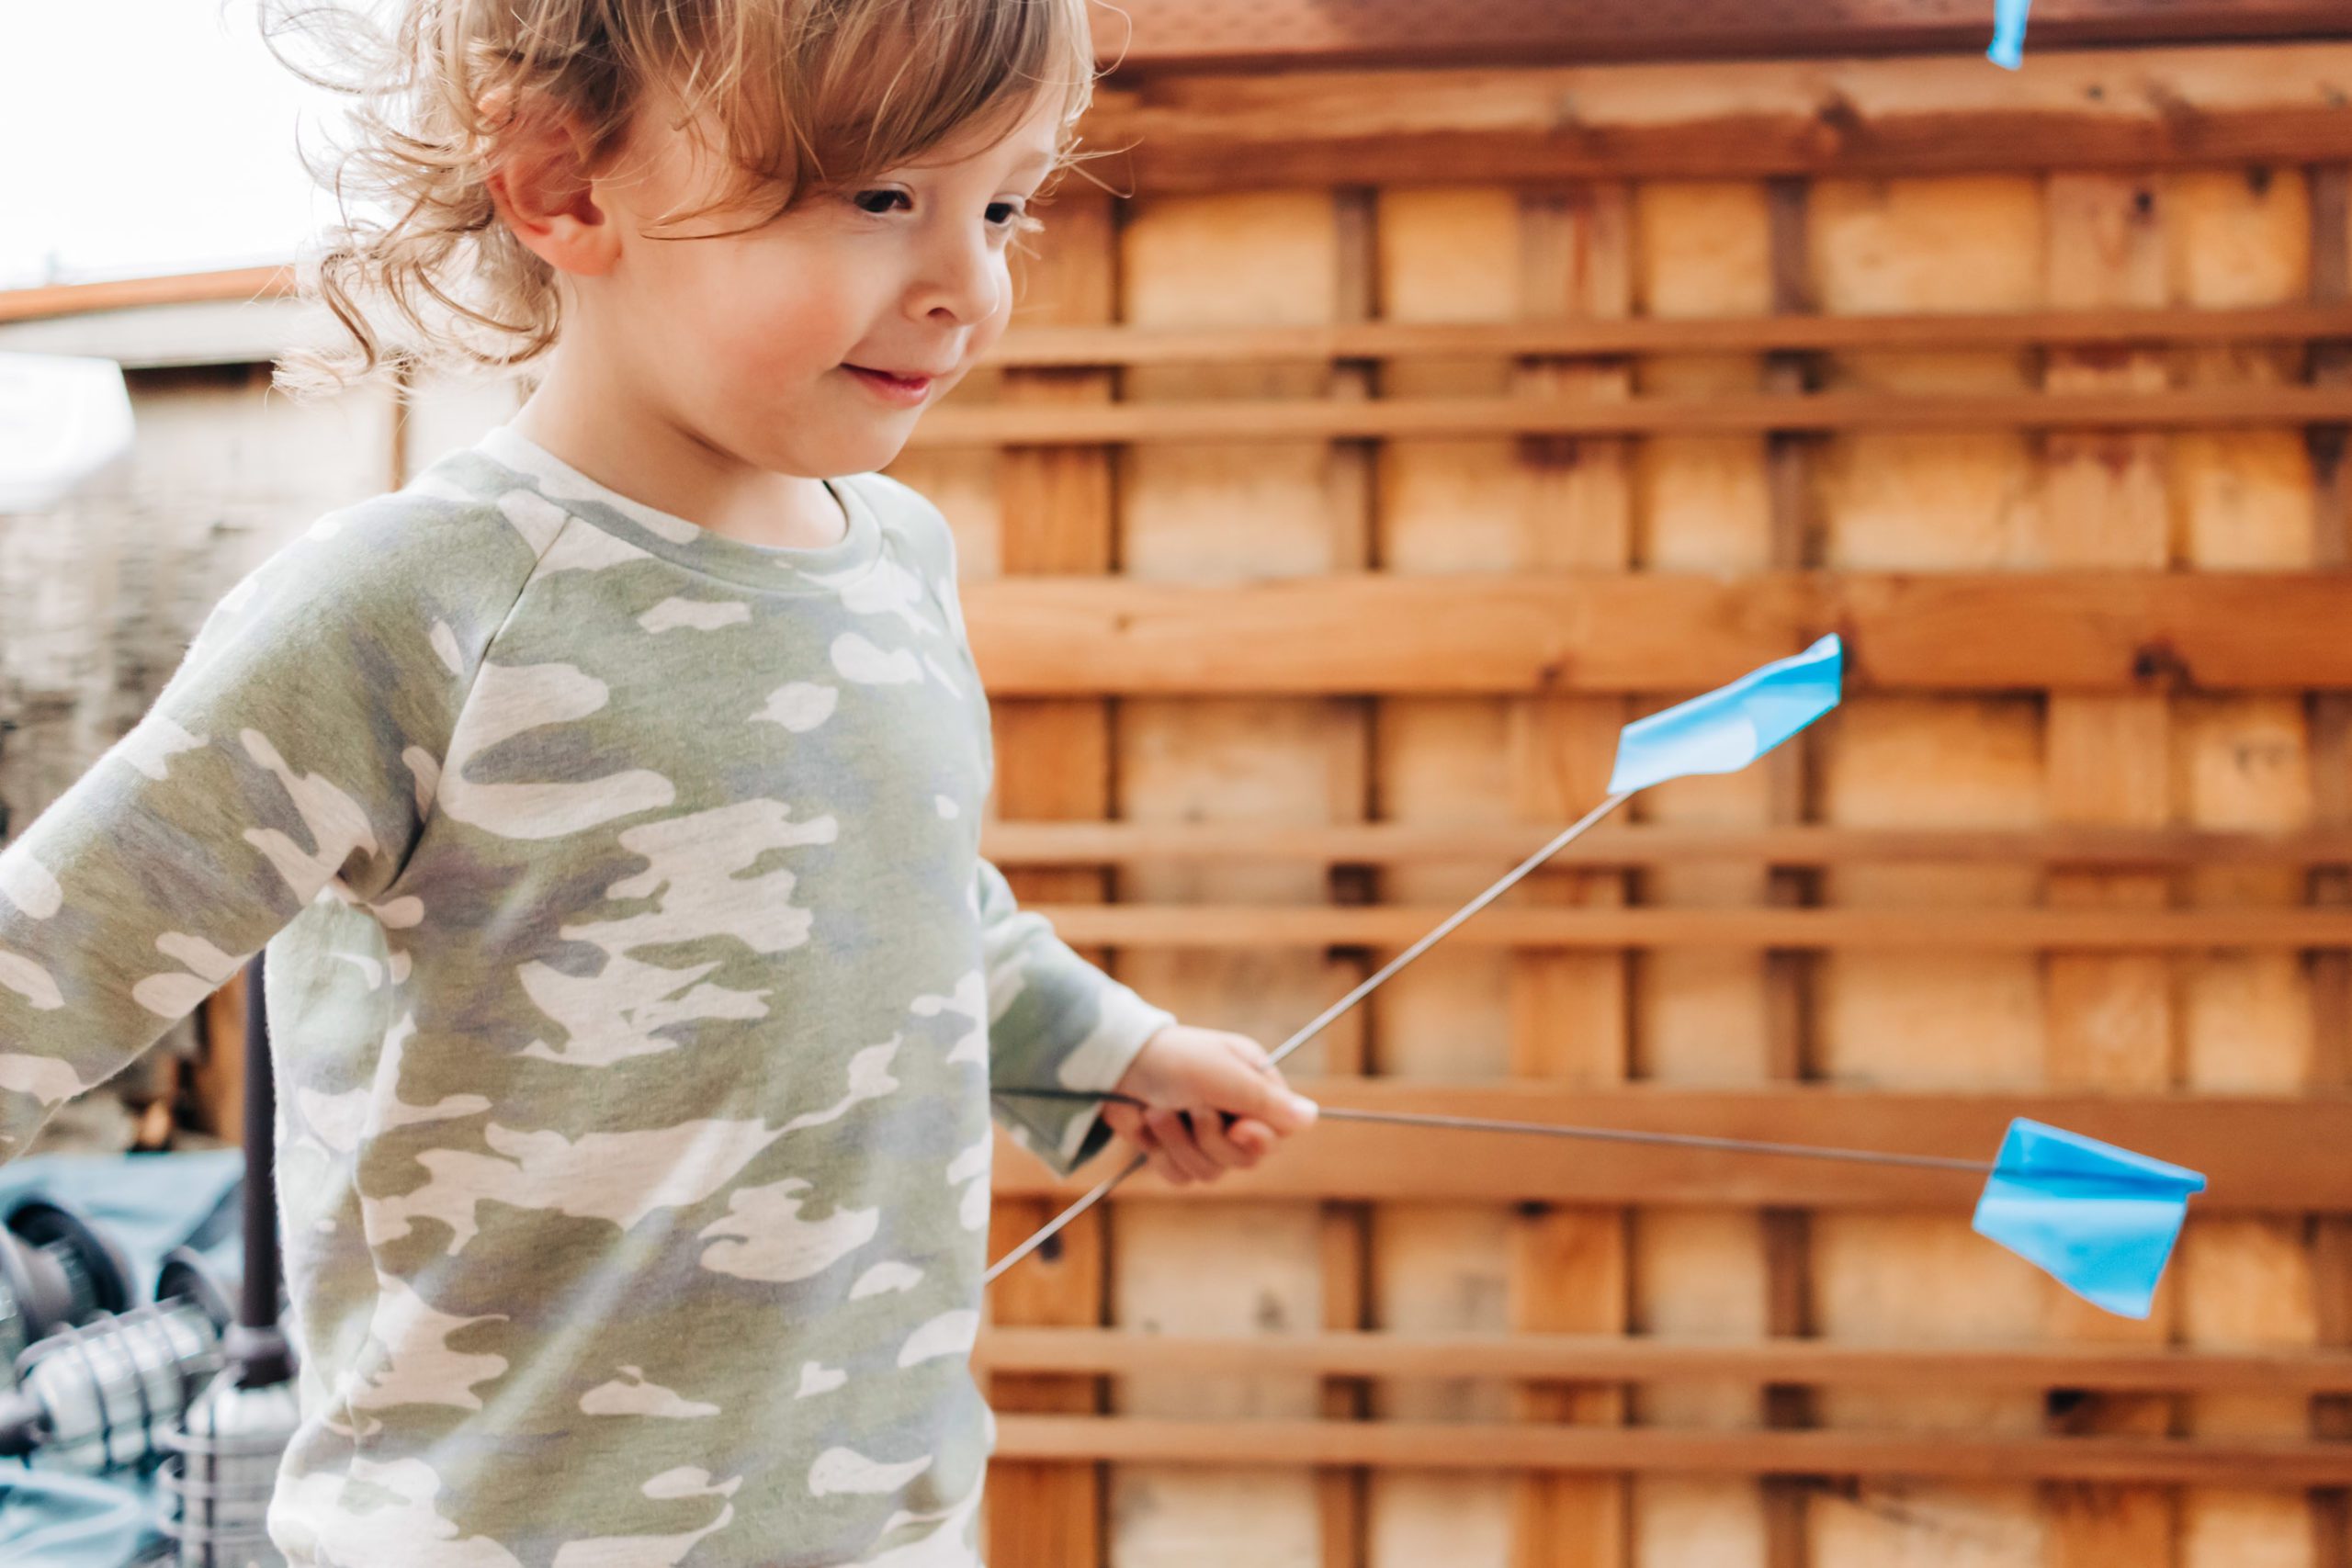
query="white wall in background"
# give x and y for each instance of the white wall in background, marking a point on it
(140, 136)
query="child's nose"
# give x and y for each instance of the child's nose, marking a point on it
(966, 278)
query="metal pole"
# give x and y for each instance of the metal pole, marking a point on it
(1444, 928)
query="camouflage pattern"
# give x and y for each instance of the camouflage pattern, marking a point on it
(637, 986)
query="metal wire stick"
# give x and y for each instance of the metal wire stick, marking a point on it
(2133, 1184)
(1596, 1135)
(1502, 884)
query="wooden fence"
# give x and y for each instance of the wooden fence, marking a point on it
(1350, 479)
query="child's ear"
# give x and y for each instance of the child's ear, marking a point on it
(541, 186)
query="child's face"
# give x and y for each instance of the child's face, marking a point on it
(746, 339)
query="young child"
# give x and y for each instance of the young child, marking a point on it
(608, 799)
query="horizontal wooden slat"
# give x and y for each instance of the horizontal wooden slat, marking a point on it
(1613, 846)
(1032, 347)
(127, 293)
(1652, 632)
(1493, 1446)
(1576, 1358)
(1110, 347)
(1988, 930)
(1160, 35)
(2259, 1153)
(988, 424)
(2122, 109)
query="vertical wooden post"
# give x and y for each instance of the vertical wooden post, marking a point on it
(1569, 1010)
(1795, 541)
(1714, 503)
(217, 1078)
(2110, 1020)
(2330, 722)
(2244, 499)
(1489, 252)
(1926, 500)
(1054, 761)
(1344, 1494)
(1221, 510)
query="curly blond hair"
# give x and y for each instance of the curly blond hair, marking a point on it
(810, 96)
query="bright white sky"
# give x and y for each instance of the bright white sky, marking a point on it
(140, 136)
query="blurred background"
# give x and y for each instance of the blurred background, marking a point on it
(1422, 392)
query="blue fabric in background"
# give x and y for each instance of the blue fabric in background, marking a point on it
(2099, 1219)
(2008, 33)
(1723, 730)
(147, 1204)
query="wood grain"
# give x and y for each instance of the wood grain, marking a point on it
(1653, 844)
(1661, 334)
(1156, 36)
(1477, 633)
(1251, 420)
(1488, 1447)
(1653, 1358)
(2262, 1154)
(2128, 109)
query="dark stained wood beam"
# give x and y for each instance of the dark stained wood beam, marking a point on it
(1164, 35)
(1944, 114)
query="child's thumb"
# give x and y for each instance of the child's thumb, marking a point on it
(1265, 1096)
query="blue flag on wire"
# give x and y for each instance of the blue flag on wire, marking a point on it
(2099, 1219)
(2008, 33)
(1729, 728)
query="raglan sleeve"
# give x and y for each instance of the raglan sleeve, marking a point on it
(296, 745)
(1054, 1020)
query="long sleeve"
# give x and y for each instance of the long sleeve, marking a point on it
(294, 746)
(1054, 1020)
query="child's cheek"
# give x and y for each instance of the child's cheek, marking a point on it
(984, 336)
(781, 334)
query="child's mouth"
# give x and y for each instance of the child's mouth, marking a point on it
(905, 390)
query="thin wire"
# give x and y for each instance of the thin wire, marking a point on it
(1503, 884)
(1323, 1020)
(1558, 1130)
(1673, 1139)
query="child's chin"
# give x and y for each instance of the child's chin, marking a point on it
(869, 450)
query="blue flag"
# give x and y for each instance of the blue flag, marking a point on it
(2008, 33)
(1729, 728)
(2099, 1219)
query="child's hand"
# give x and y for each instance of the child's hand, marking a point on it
(1207, 1073)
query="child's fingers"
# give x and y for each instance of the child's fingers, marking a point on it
(1129, 1124)
(1163, 1163)
(1127, 1121)
(1156, 1154)
(1183, 1149)
(1229, 1146)
(1252, 1136)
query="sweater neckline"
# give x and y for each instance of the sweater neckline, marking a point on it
(784, 568)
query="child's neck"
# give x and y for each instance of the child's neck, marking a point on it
(656, 461)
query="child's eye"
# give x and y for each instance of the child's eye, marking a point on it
(1001, 215)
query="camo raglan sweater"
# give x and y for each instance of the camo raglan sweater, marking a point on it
(637, 987)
